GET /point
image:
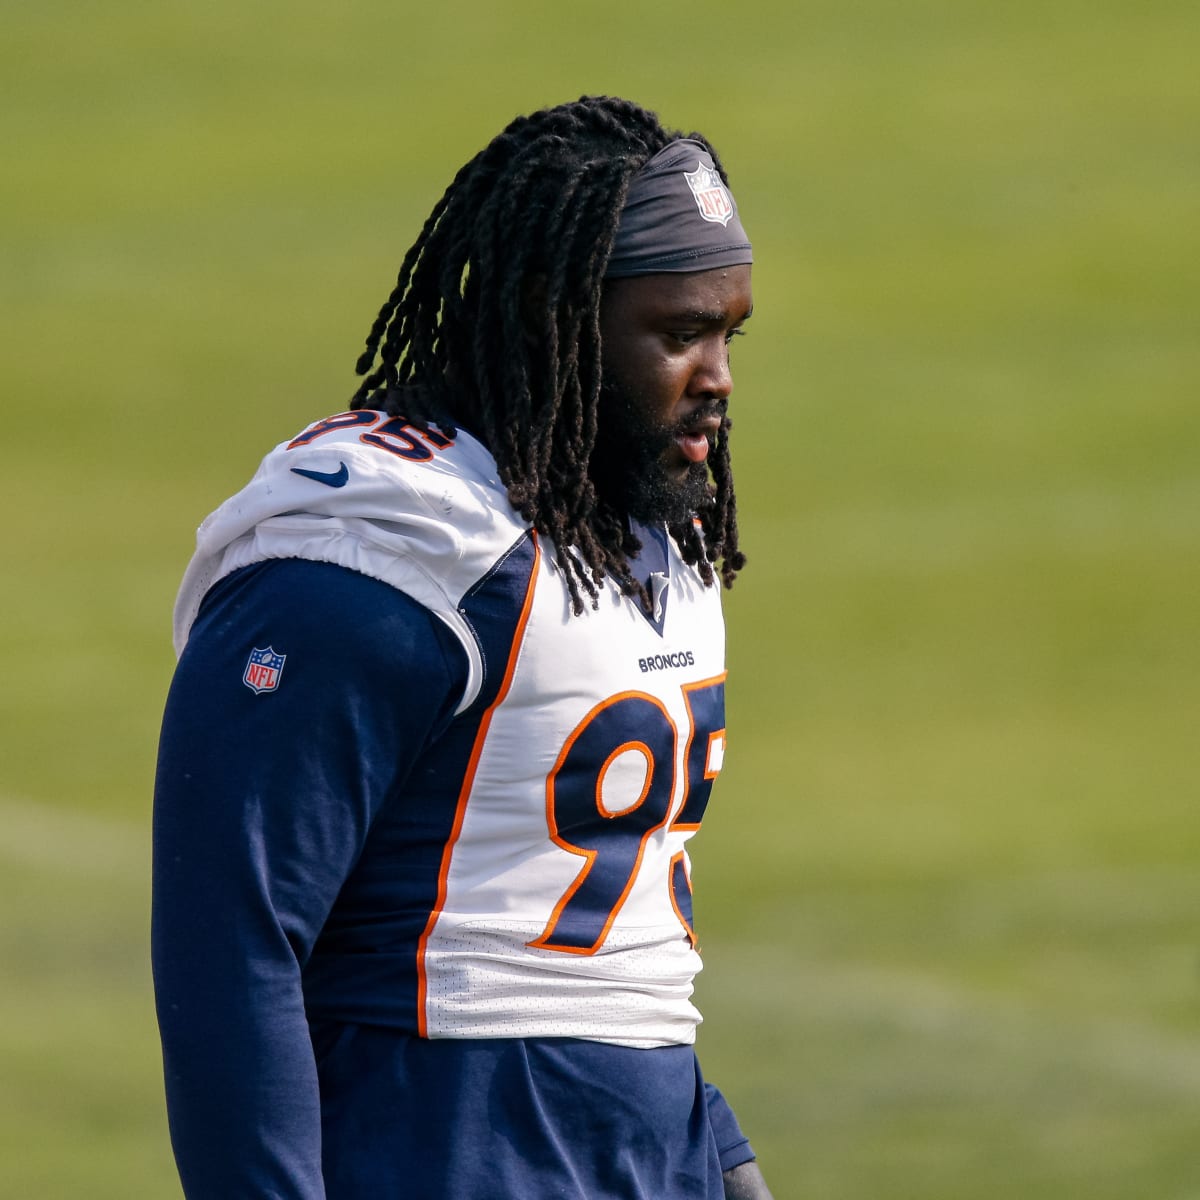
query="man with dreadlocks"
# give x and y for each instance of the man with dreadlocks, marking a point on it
(449, 706)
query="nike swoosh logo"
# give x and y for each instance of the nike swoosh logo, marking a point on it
(338, 478)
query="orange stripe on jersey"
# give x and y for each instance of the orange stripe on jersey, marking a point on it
(468, 783)
(679, 867)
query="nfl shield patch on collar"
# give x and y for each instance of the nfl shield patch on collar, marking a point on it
(263, 670)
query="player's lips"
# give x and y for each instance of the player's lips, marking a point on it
(696, 440)
(694, 446)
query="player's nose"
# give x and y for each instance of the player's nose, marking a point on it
(712, 378)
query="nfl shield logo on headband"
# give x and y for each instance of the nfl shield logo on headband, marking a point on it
(713, 201)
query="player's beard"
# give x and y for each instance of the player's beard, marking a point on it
(628, 462)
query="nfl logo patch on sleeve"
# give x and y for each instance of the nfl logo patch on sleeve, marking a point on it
(263, 670)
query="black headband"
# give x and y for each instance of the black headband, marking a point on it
(678, 216)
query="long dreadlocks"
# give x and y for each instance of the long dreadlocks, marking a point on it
(494, 323)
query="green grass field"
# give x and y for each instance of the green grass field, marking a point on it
(948, 888)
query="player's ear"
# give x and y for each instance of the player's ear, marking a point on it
(534, 292)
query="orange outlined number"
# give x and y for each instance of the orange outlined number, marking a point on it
(703, 759)
(397, 435)
(346, 420)
(705, 748)
(610, 791)
(406, 440)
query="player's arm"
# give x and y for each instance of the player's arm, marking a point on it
(739, 1171)
(263, 800)
(745, 1182)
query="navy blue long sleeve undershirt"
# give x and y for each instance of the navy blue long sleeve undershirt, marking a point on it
(263, 802)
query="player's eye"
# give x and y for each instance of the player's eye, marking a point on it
(734, 333)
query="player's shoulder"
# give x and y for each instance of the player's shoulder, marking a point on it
(428, 493)
(351, 453)
(418, 507)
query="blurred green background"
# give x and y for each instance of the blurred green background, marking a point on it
(948, 886)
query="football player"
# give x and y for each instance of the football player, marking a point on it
(449, 708)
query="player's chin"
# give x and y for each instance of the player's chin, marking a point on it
(685, 490)
(678, 469)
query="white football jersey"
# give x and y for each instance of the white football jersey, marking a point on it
(563, 898)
